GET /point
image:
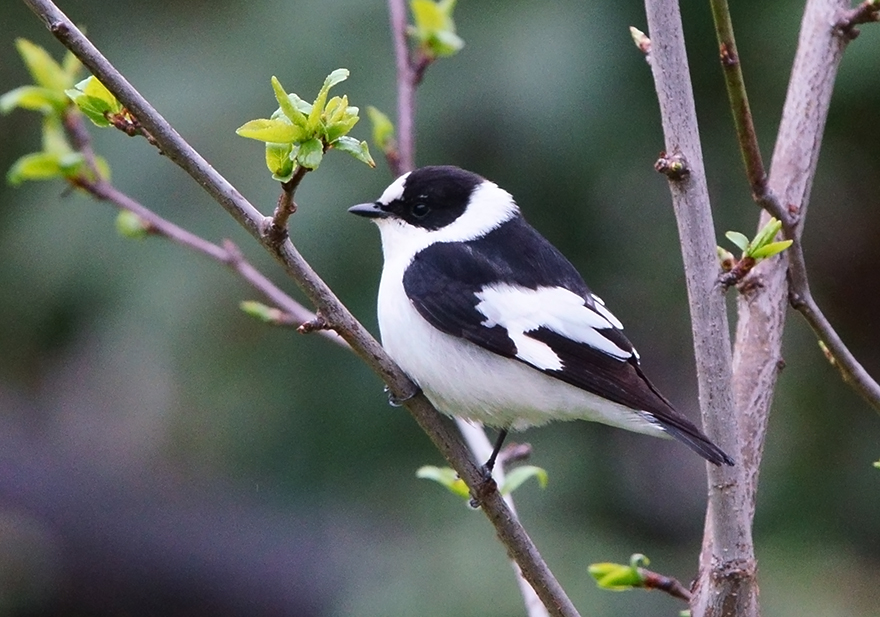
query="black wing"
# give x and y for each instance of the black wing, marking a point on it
(443, 283)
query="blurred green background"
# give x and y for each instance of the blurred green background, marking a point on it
(163, 454)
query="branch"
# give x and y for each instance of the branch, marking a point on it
(509, 530)
(799, 293)
(410, 71)
(729, 561)
(481, 448)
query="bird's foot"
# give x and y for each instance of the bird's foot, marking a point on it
(486, 487)
(395, 401)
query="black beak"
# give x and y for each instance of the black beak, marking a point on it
(371, 210)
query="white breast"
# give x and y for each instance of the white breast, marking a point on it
(465, 380)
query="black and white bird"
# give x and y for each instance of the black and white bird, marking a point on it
(495, 325)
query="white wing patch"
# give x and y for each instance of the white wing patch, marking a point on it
(520, 310)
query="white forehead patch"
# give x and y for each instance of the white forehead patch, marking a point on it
(394, 190)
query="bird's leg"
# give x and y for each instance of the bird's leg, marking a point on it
(488, 483)
(490, 464)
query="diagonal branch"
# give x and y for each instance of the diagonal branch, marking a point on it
(509, 530)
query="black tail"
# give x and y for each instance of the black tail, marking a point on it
(693, 438)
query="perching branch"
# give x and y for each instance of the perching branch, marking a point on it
(337, 316)
(799, 289)
(728, 556)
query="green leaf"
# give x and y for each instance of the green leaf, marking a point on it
(267, 314)
(358, 149)
(332, 79)
(54, 138)
(94, 100)
(738, 239)
(338, 129)
(619, 577)
(130, 225)
(446, 43)
(383, 129)
(877, 464)
(517, 476)
(71, 164)
(71, 66)
(279, 162)
(428, 15)
(92, 86)
(768, 250)
(288, 107)
(45, 71)
(434, 28)
(767, 233)
(275, 131)
(310, 153)
(35, 166)
(34, 98)
(446, 477)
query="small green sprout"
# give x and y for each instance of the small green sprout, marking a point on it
(620, 577)
(130, 225)
(95, 101)
(260, 311)
(434, 30)
(447, 477)
(877, 464)
(299, 133)
(762, 246)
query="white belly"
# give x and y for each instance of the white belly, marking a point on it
(465, 380)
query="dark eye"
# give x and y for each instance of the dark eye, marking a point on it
(420, 210)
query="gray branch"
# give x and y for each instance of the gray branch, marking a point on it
(727, 562)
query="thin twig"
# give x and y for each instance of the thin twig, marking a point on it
(508, 529)
(661, 582)
(276, 229)
(406, 89)
(729, 560)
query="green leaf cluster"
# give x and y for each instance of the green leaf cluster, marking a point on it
(620, 577)
(763, 245)
(299, 133)
(48, 96)
(447, 477)
(434, 29)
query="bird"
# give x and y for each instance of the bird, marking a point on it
(495, 325)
